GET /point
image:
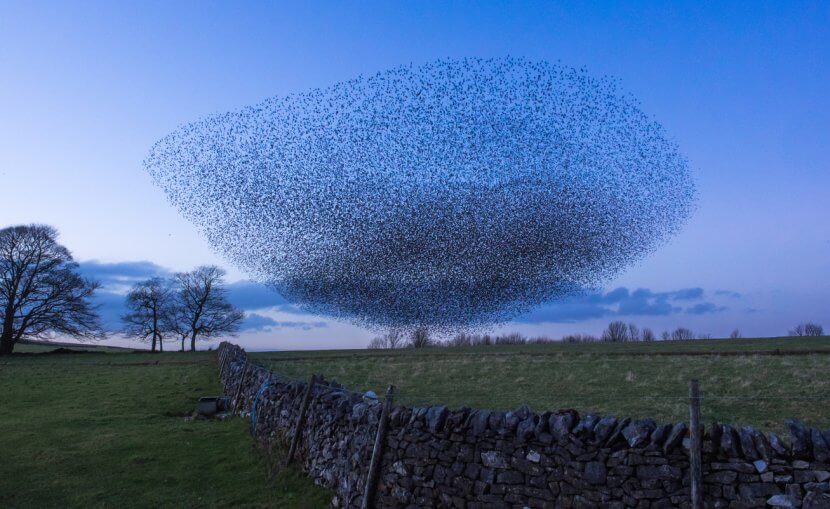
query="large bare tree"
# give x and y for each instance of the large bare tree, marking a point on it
(41, 292)
(616, 332)
(148, 303)
(202, 305)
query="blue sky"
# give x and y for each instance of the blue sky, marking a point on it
(87, 87)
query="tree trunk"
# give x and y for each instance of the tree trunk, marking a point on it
(153, 344)
(193, 342)
(6, 344)
(161, 344)
(183, 338)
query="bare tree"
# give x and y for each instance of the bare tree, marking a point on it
(736, 334)
(616, 332)
(633, 332)
(647, 334)
(682, 334)
(148, 303)
(807, 329)
(392, 339)
(665, 335)
(41, 291)
(202, 305)
(813, 329)
(420, 338)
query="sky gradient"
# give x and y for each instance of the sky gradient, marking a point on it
(87, 88)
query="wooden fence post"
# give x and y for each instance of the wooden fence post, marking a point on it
(298, 431)
(695, 467)
(239, 388)
(377, 453)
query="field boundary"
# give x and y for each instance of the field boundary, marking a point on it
(434, 456)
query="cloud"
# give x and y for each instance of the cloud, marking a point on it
(621, 302)
(255, 322)
(121, 274)
(728, 293)
(704, 308)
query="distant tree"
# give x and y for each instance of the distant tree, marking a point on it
(647, 334)
(736, 334)
(41, 292)
(420, 338)
(579, 338)
(461, 340)
(813, 329)
(511, 339)
(147, 305)
(391, 339)
(682, 334)
(202, 305)
(704, 336)
(665, 335)
(807, 329)
(616, 332)
(633, 332)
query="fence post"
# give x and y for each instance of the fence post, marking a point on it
(222, 356)
(695, 467)
(298, 431)
(239, 388)
(377, 452)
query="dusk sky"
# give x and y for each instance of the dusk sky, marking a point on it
(87, 88)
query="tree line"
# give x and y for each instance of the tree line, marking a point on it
(43, 295)
(616, 332)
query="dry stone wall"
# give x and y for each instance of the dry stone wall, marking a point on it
(474, 458)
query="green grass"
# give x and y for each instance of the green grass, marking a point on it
(108, 430)
(740, 381)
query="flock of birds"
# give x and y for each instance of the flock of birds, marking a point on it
(452, 195)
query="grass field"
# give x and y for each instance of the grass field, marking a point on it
(107, 430)
(749, 381)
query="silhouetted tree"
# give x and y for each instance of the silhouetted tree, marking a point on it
(41, 291)
(148, 303)
(807, 329)
(420, 338)
(682, 334)
(736, 334)
(201, 308)
(647, 334)
(616, 332)
(392, 339)
(633, 332)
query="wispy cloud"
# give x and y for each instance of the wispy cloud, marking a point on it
(255, 322)
(622, 302)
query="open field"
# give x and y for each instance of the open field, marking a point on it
(748, 381)
(107, 430)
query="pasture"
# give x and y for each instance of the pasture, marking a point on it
(747, 381)
(108, 430)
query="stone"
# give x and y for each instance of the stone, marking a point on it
(510, 477)
(399, 468)
(479, 420)
(814, 500)
(604, 428)
(595, 473)
(722, 477)
(436, 416)
(511, 421)
(562, 423)
(675, 437)
(763, 447)
(525, 429)
(638, 432)
(729, 442)
(493, 459)
(800, 438)
(784, 501)
(663, 472)
(659, 435)
(821, 475)
(585, 428)
(747, 442)
(820, 450)
(760, 466)
(778, 446)
(533, 456)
